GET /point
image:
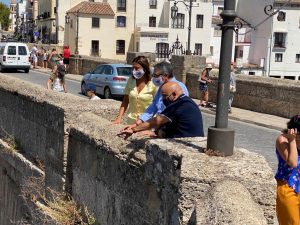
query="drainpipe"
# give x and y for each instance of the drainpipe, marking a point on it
(77, 30)
(134, 29)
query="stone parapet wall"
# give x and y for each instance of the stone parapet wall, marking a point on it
(182, 64)
(135, 181)
(16, 174)
(84, 64)
(260, 94)
(49, 47)
(39, 120)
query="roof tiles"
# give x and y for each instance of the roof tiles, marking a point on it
(96, 8)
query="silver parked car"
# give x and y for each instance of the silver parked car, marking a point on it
(110, 79)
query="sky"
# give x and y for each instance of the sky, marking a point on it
(7, 2)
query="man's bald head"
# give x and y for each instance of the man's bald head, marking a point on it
(171, 89)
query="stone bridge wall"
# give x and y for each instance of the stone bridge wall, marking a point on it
(260, 94)
(137, 181)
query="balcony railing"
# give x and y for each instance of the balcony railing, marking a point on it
(279, 45)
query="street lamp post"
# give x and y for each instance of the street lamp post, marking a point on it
(220, 138)
(174, 10)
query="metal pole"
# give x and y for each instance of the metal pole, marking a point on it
(188, 52)
(220, 138)
(77, 30)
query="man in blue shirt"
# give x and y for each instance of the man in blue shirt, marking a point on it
(181, 117)
(163, 73)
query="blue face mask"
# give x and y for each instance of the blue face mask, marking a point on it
(157, 81)
(138, 74)
(166, 102)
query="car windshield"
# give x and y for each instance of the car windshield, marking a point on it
(124, 71)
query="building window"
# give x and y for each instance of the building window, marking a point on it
(178, 21)
(220, 10)
(152, 21)
(281, 16)
(199, 21)
(297, 58)
(217, 31)
(198, 49)
(121, 5)
(211, 49)
(121, 21)
(279, 41)
(278, 57)
(162, 50)
(153, 4)
(120, 47)
(95, 22)
(241, 53)
(95, 48)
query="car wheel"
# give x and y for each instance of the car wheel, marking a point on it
(26, 70)
(1, 69)
(107, 93)
(83, 89)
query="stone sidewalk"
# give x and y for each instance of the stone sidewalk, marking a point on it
(261, 119)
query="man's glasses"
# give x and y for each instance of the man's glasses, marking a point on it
(157, 75)
(166, 96)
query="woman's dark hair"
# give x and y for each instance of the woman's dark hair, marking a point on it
(294, 123)
(143, 61)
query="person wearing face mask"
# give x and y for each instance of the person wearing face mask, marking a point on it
(181, 117)
(139, 91)
(288, 174)
(162, 73)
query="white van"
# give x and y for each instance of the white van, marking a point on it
(14, 55)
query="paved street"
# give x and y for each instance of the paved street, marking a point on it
(249, 136)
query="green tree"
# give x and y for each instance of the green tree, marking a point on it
(4, 16)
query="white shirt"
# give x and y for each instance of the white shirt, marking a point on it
(57, 86)
(95, 97)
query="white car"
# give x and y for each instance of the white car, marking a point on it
(14, 55)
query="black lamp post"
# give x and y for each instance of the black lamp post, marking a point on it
(174, 11)
(220, 138)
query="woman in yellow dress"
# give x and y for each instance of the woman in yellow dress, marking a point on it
(139, 91)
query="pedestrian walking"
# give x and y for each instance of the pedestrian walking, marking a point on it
(56, 82)
(54, 59)
(139, 91)
(232, 87)
(45, 58)
(66, 57)
(34, 57)
(288, 174)
(204, 80)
